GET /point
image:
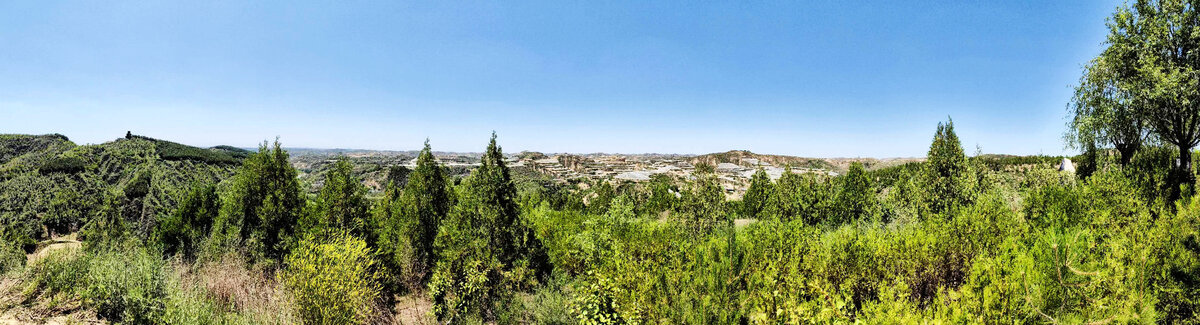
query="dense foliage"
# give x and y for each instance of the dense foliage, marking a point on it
(408, 221)
(486, 251)
(263, 205)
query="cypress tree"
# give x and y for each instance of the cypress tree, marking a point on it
(947, 175)
(264, 205)
(342, 203)
(757, 195)
(409, 232)
(486, 251)
(856, 199)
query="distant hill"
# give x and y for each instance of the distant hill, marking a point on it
(50, 184)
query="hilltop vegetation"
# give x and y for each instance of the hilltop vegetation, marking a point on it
(49, 185)
(953, 238)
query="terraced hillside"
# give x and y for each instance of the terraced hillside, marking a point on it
(49, 185)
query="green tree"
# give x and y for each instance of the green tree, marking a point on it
(947, 174)
(704, 206)
(1152, 45)
(603, 198)
(664, 196)
(856, 198)
(181, 232)
(105, 226)
(1103, 110)
(342, 203)
(757, 195)
(486, 251)
(264, 204)
(409, 232)
(804, 197)
(703, 168)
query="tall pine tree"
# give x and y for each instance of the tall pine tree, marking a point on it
(412, 220)
(757, 195)
(486, 251)
(947, 174)
(264, 204)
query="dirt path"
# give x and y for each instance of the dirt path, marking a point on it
(12, 312)
(67, 242)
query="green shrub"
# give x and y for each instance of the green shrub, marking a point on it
(123, 283)
(187, 304)
(11, 257)
(332, 279)
(126, 285)
(63, 164)
(182, 231)
(60, 271)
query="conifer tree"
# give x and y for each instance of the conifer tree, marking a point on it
(604, 196)
(856, 199)
(191, 222)
(408, 233)
(947, 175)
(342, 203)
(486, 251)
(264, 204)
(757, 195)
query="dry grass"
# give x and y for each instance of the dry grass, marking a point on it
(411, 309)
(236, 288)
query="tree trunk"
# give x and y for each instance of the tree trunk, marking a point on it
(1185, 166)
(1183, 175)
(1127, 152)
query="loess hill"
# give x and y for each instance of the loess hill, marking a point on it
(50, 185)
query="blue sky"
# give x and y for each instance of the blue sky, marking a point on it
(808, 78)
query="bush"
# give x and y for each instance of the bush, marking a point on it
(126, 285)
(60, 271)
(123, 283)
(333, 279)
(63, 164)
(11, 257)
(182, 231)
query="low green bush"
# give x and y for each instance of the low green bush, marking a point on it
(60, 271)
(332, 279)
(63, 164)
(126, 285)
(123, 283)
(11, 257)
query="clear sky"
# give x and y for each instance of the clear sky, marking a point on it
(808, 78)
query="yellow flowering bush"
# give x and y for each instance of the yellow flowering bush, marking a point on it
(332, 279)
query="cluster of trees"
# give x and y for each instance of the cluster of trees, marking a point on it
(342, 253)
(948, 240)
(1142, 89)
